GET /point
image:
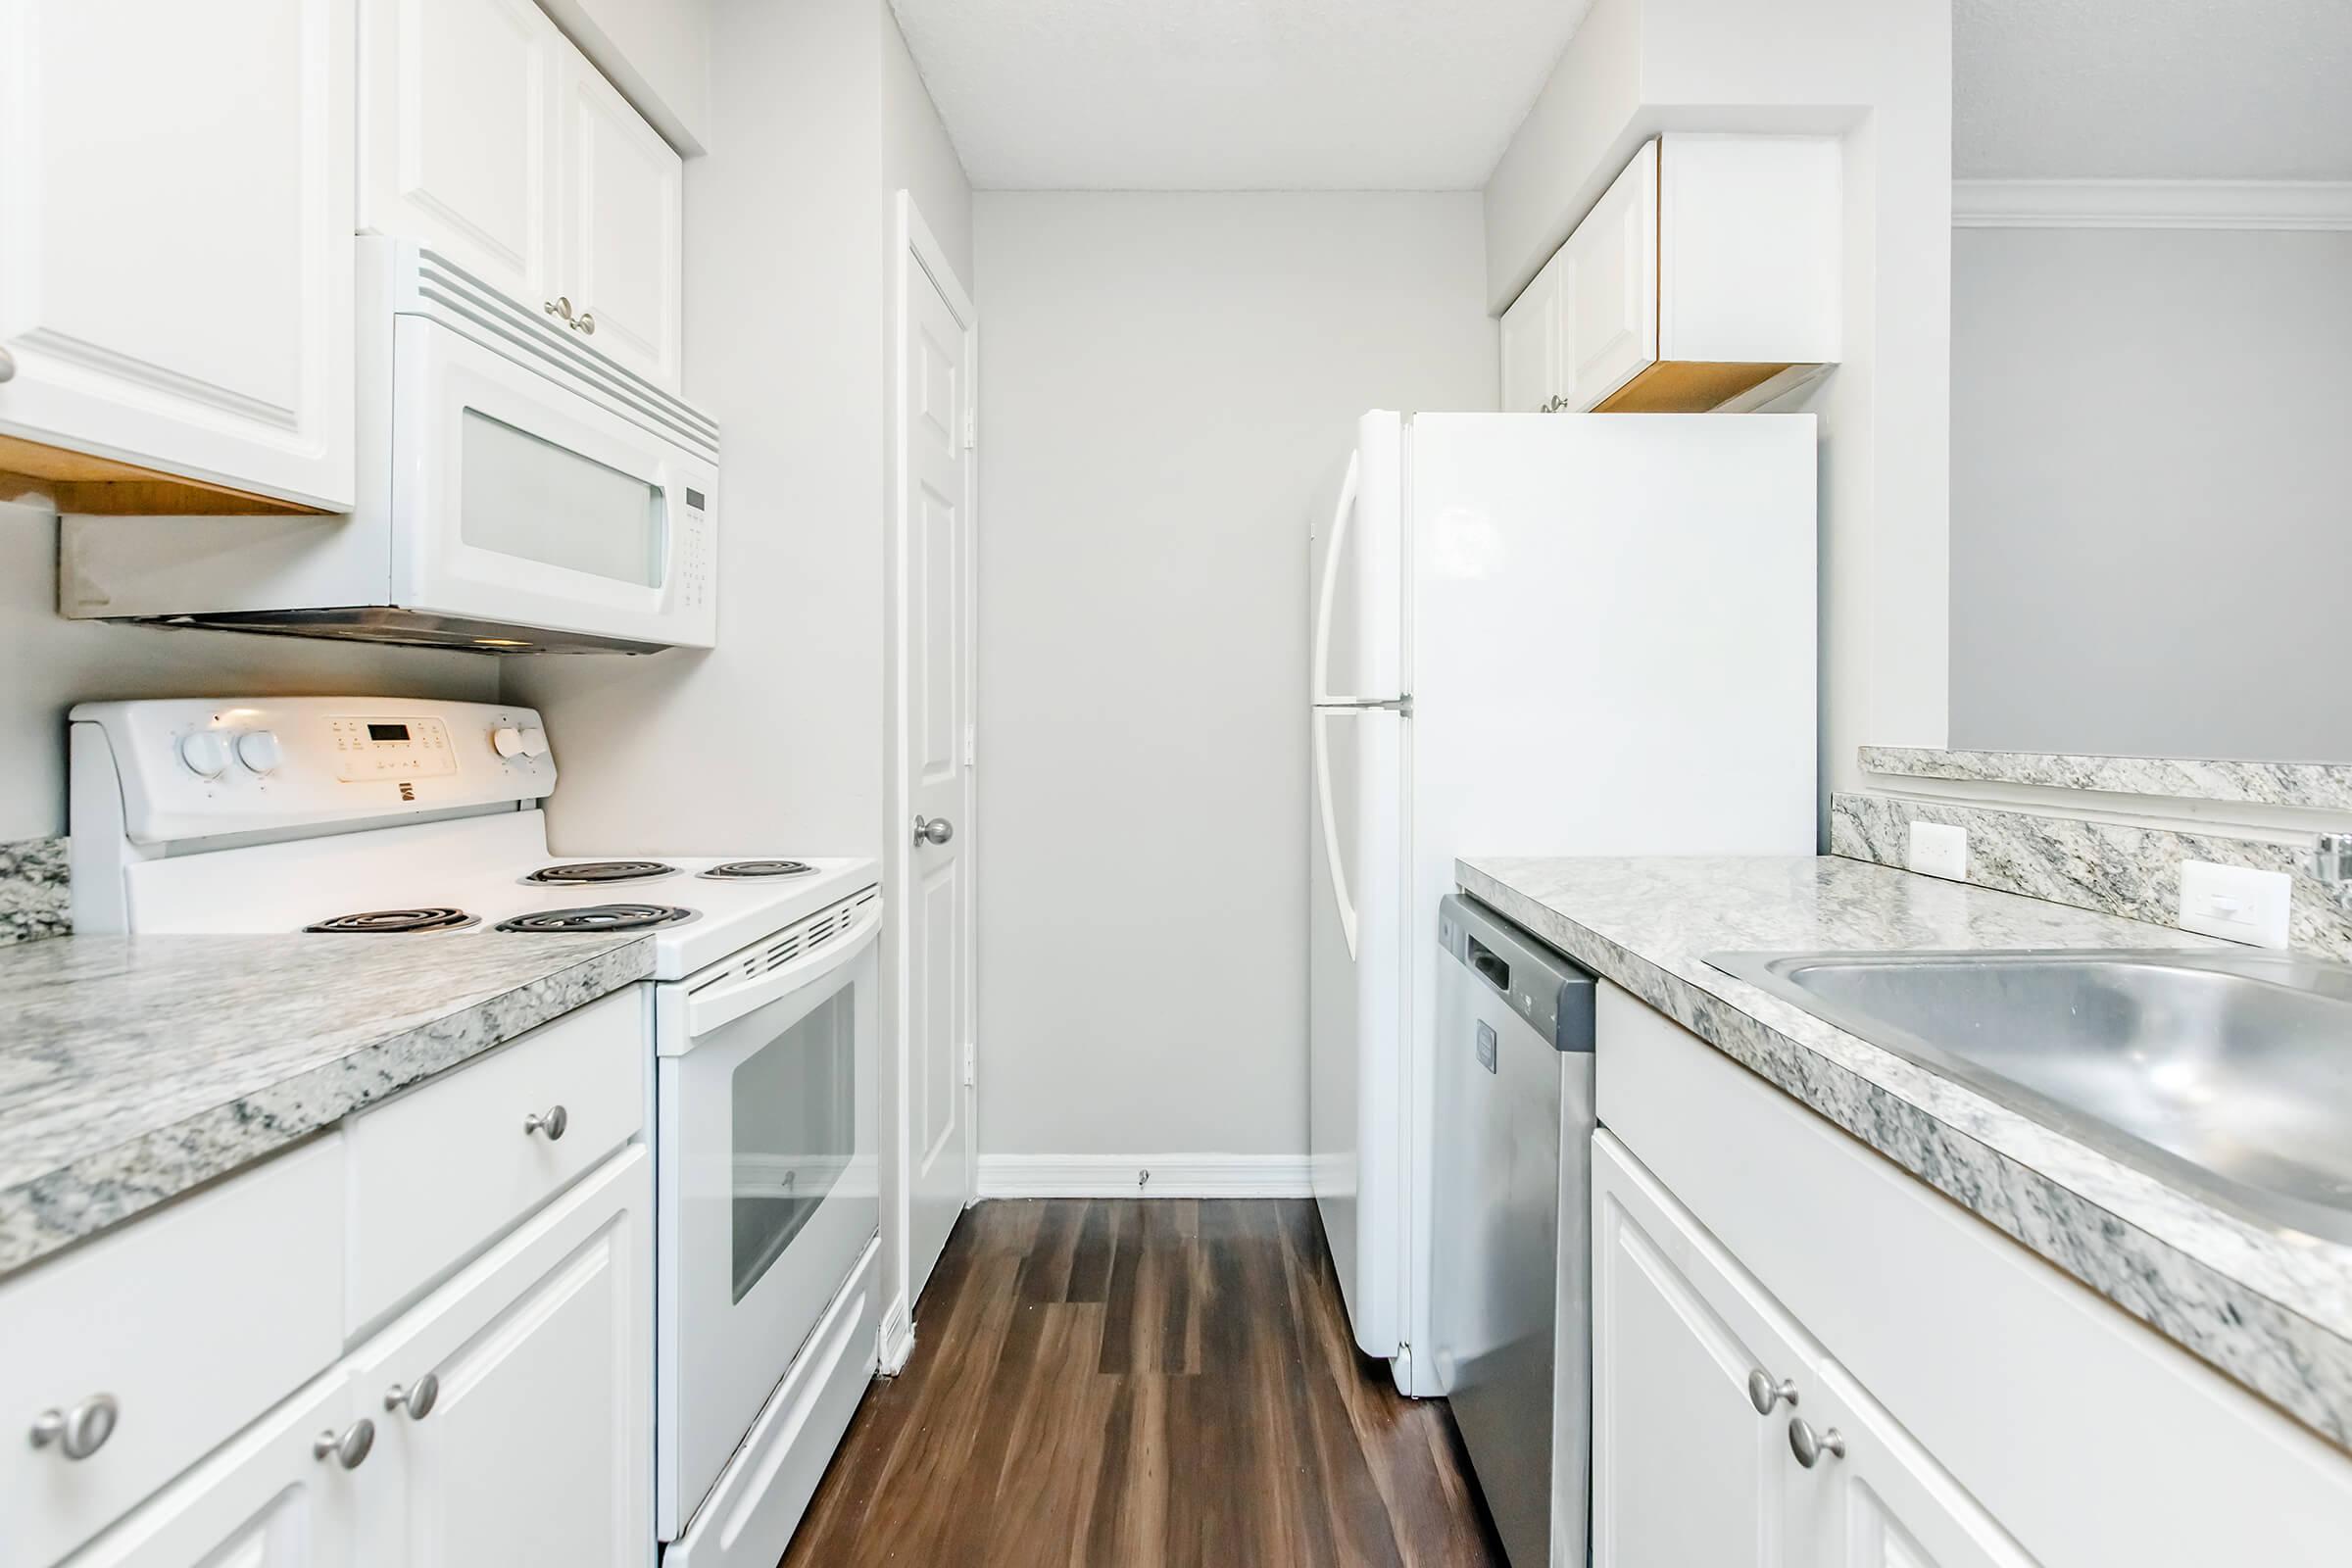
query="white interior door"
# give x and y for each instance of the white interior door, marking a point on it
(933, 894)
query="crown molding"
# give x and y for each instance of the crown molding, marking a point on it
(2241, 204)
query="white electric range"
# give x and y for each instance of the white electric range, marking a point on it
(359, 817)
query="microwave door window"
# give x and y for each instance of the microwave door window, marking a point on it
(795, 1113)
(531, 500)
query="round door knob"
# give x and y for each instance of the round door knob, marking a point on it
(534, 742)
(204, 753)
(260, 752)
(507, 741)
(80, 1431)
(349, 1448)
(417, 1398)
(933, 830)
(551, 1123)
(1764, 1393)
(1809, 1445)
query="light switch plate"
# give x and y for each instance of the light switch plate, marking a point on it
(1940, 850)
(2235, 903)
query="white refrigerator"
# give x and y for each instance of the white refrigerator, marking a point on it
(1531, 634)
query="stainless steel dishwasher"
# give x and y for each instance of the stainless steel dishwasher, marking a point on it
(1509, 1303)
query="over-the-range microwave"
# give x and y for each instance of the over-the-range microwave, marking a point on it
(518, 492)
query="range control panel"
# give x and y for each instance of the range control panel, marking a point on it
(412, 745)
(196, 768)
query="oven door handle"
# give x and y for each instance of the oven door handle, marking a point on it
(715, 1007)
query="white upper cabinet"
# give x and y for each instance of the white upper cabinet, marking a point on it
(175, 253)
(456, 115)
(1531, 345)
(622, 215)
(488, 136)
(1707, 276)
(1609, 289)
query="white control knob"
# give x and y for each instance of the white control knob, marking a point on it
(507, 741)
(204, 753)
(534, 742)
(258, 750)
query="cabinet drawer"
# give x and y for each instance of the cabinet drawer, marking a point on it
(193, 1321)
(438, 1174)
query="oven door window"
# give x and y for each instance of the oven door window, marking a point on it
(527, 498)
(794, 1108)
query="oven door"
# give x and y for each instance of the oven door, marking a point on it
(520, 500)
(767, 1189)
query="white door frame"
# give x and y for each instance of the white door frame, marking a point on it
(915, 247)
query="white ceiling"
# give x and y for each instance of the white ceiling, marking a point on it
(2152, 89)
(1234, 94)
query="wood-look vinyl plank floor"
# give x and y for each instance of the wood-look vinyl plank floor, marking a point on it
(1128, 1384)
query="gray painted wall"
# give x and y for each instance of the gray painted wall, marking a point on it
(1164, 381)
(2151, 492)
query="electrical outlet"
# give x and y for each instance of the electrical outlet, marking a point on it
(1939, 849)
(2235, 903)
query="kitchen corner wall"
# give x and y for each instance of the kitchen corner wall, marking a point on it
(773, 742)
(1163, 381)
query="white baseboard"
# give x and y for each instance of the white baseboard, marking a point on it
(895, 1341)
(1170, 1176)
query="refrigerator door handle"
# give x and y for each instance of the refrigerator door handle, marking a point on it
(1330, 829)
(1343, 517)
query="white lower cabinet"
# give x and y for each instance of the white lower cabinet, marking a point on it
(506, 1418)
(1688, 1469)
(266, 1501)
(536, 1446)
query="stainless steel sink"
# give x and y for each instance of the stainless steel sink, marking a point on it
(2225, 1071)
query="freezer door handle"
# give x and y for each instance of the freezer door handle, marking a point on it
(1342, 515)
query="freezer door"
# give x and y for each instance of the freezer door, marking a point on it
(1355, 1005)
(1357, 630)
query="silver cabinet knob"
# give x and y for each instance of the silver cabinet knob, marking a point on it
(80, 1431)
(418, 1398)
(1809, 1445)
(587, 322)
(8, 366)
(933, 830)
(552, 1122)
(350, 1448)
(1764, 1393)
(559, 307)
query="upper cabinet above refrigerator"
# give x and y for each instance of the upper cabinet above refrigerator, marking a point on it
(487, 136)
(1707, 276)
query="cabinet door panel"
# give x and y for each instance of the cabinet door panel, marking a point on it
(264, 1501)
(538, 1446)
(1884, 1502)
(1684, 1469)
(1530, 345)
(1609, 286)
(176, 252)
(622, 225)
(457, 116)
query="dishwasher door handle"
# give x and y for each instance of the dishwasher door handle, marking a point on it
(1489, 965)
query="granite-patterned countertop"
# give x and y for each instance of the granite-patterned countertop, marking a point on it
(133, 1070)
(2269, 1307)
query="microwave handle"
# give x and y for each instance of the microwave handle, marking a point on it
(715, 1007)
